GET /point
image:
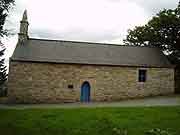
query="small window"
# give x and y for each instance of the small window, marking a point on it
(70, 86)
(142, 75)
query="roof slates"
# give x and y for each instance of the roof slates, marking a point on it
(89, 53)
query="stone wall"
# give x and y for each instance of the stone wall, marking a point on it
(48, 82)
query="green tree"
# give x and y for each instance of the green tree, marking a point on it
(163, 31)
(5, 5)
(3, 71)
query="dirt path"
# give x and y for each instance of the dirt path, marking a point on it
(155, 101)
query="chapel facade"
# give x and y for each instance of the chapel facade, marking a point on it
(58, 71)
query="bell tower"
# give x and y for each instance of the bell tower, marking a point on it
(23, 33)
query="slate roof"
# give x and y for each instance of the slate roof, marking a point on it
(57, 51)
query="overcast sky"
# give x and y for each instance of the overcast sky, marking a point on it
(83, 20)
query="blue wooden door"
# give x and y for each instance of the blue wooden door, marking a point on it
(85, 92)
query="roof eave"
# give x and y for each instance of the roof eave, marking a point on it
(99, 64)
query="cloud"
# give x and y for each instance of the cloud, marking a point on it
(84, 20)
(72, 35)
(15, 14)
(154, 6)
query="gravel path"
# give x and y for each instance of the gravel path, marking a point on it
(154, 101)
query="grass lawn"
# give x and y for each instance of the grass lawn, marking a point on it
(88, 121)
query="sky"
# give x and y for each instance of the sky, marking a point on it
(105, 21)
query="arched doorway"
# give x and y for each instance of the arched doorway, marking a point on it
(85, 92)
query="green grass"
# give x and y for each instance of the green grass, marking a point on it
(88, 121)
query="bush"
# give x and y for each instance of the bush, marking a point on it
(3, 91)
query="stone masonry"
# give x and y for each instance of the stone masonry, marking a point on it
(48, 83)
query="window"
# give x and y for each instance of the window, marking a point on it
(142, 75)
(70, 86)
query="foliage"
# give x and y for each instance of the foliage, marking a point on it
(158, 131)
(163, 31)
(5, 5)
(3, 71)
(88, 121)
(117, 131)
(155, 131)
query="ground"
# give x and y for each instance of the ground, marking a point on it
(173, 100)
(89, 121)
(133, 116)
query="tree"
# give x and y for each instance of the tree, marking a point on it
(3, 68)
(163, 31)
(5, 5)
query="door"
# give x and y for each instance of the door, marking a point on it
(85, 92)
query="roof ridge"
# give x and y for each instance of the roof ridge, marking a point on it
(88, 42)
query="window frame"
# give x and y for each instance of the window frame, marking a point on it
(142, 75)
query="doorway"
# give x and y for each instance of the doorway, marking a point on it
(85, 92)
